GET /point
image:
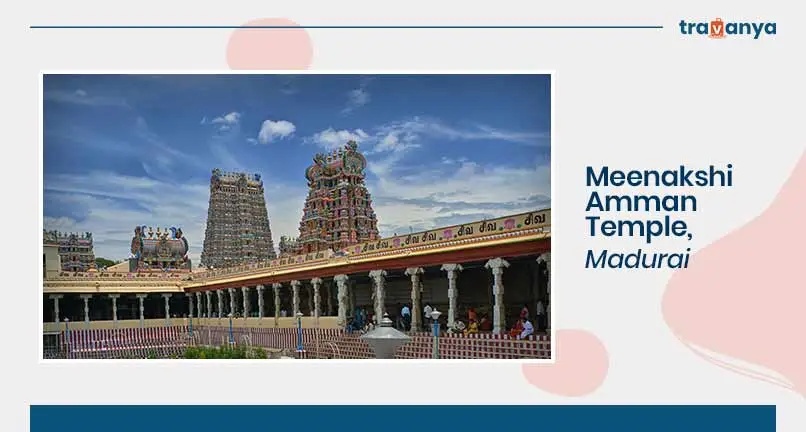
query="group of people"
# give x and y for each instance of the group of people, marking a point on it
(474, 325)
(363, 320)
(523, 327)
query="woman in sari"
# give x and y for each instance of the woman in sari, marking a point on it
(485, 324)
(516, 329)
(472, 328)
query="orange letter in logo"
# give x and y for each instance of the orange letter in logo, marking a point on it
(717, 29)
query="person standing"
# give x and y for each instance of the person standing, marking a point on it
(540, 316)
(427, 315)
(405, 312)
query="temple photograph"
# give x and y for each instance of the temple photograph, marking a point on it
(305, 216)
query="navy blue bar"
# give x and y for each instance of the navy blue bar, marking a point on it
(385, 418)
(409, 27)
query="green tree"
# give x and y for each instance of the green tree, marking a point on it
(103, 262)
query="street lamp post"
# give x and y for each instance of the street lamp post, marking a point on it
(299, 332)
(67, 334)
(231, 337)
(384, 340)
(435, 317)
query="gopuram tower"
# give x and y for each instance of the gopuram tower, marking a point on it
(338, 210)
(238, 230)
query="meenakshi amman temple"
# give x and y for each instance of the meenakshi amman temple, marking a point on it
(486, 283)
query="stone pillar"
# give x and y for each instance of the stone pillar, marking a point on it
(546, 258)
(341, 296)
(114, 298)
(141, 298)
(86, 298)
(351, 296)
(276, 287)
(453, 273)
(55, 298)
(246, 306)
(310, 300)
(260, 304)
(167, 298)
(416, 310)
(199, 309)
(316, 282)
(329, 292)
(209, 295)
(497, 266)
(295, 293)
(232, 301)
(220, 294)
(379, 277)
(190, 305)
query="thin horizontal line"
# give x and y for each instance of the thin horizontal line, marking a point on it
(447, 27)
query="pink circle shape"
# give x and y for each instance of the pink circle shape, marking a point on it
(740, 302)
(581, 366)
(270, 48)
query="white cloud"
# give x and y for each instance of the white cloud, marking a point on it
(451, 161)
(159, 159)
(459, 182)
(417, 128)
(227, 121)
(272, 130)
(454, 192)
(455, 189)
(222, 142)
(404, 135)
(331, 139)
(110, 216)
(358, 97)
(82, 97)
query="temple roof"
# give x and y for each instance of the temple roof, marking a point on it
(235, 177)
(344, 160)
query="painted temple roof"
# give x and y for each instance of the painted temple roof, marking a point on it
(345, 160)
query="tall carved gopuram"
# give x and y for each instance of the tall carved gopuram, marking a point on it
(338, 210)
(238, 230)
(75, 250)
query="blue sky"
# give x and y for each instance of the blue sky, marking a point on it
(122, 151)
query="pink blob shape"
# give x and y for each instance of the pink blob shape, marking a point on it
(581, 366)
(270, 48)
(743, 296)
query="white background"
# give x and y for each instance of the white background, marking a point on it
(627, 98)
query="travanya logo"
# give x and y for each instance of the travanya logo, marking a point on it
(718, 29)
